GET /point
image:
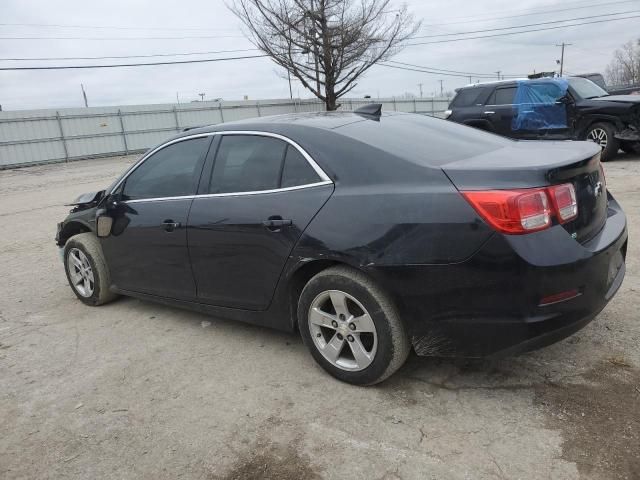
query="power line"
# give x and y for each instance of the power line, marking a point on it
(421, 70)
(521, 32)
(107, 27)
(123, 38)
(542, 12)
(527, 25)
(463, 73)
(130, 56)
(69, 67)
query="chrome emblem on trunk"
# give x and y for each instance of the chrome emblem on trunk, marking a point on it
(597, 189)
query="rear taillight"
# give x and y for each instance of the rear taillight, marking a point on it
(523, 211)
(564, 201)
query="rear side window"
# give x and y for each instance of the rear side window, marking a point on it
(170, 172)
(467, 97)
(253, 163)
(247, 163)
(502, 96)
(297, 170)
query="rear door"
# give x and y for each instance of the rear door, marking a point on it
(261, 193)
(499, 110)
(467, 106)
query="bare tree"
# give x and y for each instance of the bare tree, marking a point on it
(326, 44)
(624, 69)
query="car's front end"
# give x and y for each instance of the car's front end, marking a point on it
(81, 218)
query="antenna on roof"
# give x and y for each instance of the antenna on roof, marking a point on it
(371, 110)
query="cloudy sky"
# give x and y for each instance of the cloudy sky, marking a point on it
(80, 28)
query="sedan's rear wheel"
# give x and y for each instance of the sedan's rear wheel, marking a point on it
(87, 269)
(351, 327)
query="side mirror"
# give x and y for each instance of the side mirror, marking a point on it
(564, 100)
(111, 202)
(103, 225)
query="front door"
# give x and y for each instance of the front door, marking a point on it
(147, 249)
(261, 195)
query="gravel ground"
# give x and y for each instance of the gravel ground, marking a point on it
(139, 390)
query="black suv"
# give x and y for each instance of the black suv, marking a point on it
(551, 109)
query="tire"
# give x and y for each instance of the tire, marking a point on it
(603, 134)
(630, 147)
(381, 343)
(86, 269)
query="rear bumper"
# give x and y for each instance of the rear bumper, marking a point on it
(491, 304)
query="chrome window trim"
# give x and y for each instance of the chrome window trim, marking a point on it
(323, 176)
(325, 180)
(233, 194)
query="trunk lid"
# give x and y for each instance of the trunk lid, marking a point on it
(529, 164)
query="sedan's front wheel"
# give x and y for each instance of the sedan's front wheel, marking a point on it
(351, 327)
(87, 269)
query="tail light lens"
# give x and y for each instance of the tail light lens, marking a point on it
(564, 201)
(517, 212)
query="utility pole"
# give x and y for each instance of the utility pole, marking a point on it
(470, 81)
(498, 72)
(441, 88)
(420, 85)
(290, 91)
(84, 96)
(201, 95)
(177, 98)
(562, 55)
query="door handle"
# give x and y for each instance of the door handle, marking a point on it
(170, 225)
(490, 112)
(276, 222)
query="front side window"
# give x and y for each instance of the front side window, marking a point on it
(170, 172)
(253, 163)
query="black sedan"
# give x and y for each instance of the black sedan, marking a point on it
(370, 234)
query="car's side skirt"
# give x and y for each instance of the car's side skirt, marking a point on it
(276, 317)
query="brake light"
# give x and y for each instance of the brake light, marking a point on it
(522, 211)
(512, 211)
(564, 201)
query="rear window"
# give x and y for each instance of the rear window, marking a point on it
(423, 140)
(466, 97)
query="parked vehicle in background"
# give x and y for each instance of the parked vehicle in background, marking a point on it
(598, 79)
(551, 109)
(368, 233)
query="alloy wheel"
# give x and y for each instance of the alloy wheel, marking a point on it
(599, 136)
(80, 272)
(342, 330)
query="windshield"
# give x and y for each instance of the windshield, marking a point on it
(586, 88)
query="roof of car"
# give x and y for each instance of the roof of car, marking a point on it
(506, 82)
(321, 120)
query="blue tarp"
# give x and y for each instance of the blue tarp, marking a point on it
(535, 104)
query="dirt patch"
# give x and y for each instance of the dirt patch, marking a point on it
(600, 420)
(272, 463)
